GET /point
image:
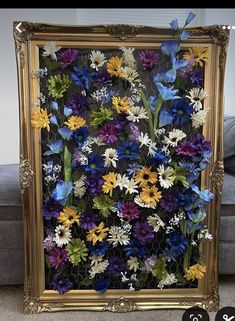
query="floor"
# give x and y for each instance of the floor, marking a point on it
(11, 300)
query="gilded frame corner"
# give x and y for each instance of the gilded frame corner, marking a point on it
(36, 299)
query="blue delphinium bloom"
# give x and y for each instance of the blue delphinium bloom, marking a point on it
(98, 249)
(190, 17)
(196, 216)
(80, 135)
(167, 93)
(53, 120)
(128, 151)
(184, 35)
(65, 132)
(177, 243)
(67, 111)
(181, 112)
(135, 248)
(159, 158)
(55, 147)
(102, 285)
(192, 169)
(165, 118)
(187, 201)
(169, 255)
(95, 164)
(170, 48)
(54, 105)
(81, 77)
(62, 191)
(174, 24)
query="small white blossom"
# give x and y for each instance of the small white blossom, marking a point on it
(131, 288)
(97, 59)
(204, 235)
(118, 236)
(122, 181)
(174, 137)
(128, 57)
(110, 157)
(79, 188)
(124, 277)
(129, 74)
(160, 131)
(133, 263)
(168, 280)
(152, 148)
(156, 222)
(144, 139)
(131, 186)
(50, 49)
(98, 268)
(166, 176)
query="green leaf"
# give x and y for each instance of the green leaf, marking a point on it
(86, 281)
(149, 113)
(142, 278)
(187, 257)
(81, 206)
(180, 175)
(104, 204)
(67, 165)
(159, 270)
(180, 279)
(51, 64)
(99, 117)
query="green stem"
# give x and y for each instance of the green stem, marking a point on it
(156, 113)
(67, 172)
(149, 113)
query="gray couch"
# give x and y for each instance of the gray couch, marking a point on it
(11, 229)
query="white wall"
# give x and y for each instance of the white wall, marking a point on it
(9, 119)
(227, 17)
(9, 128)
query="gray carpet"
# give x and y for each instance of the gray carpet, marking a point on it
(11, 308)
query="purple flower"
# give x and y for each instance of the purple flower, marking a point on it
(116, 265)
(78, 157)
(196, 78)
(102, 76)
(133, 168)
(143, 232)
(61, 284)
(51, 209)
(78, 103)
(109, 133)
(49, 243)
(169, 203)
(134, 132)
(186, 148)
(58, 258)
(149, 264)
(148, 58)
(129, 210)
(88, 220)
(67, 57)
(197, 146)
(94, 184)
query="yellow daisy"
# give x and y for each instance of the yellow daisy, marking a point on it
(75, 122)
(68, 217)
(114, 65)
(97, 233)
(110, 182)
(150, 195)
(120, 104)
(198, 55)
(145, 176)
(195, 271)
(40, 119)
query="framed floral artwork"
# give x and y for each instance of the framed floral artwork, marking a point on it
(121, 165)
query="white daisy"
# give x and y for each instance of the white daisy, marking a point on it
(118, 236)
(135, 113)
(50, 49)
(122, 181)
(79, 188)
(97, 59)
(98, 268)
(199, 118)
(166, 176)
(62, 235)
(168, 280)
(98, 141)
(156, 222)
(174, 137)
(129, 74)
(133, 263)
(95, 259)
(131, 186)
(196, 96)
(128, 57)
(138, 201)
(111, 157)
(144, 139)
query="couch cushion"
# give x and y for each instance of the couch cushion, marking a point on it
(226, 258)
(11, 235)
(9, 185)
(229, 134)
(11, 266)
(228, 194)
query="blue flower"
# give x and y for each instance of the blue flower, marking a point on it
(159, 158)
(192, 169)
(167, 93)
(133, 168)
(184, 35)
(170, 48)
(67, 111)
(53, 120)
(165, 118)
(62, 191)
(177, 243)
(169, 255)
(192, 227)
(128, 151)
(181, 112)
(55, 147)
(190, 17)
(152, 100)
(187, 201)
(65, 132)
(174, 24)
(196, 216)
(135, 248)
(99, 249)
(81, 77)
(80, 135)
(102, 285)
(95, 164)
(54, 105)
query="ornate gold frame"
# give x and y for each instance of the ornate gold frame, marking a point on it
(28, 38)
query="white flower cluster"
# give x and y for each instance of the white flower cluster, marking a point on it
(129, 280)
(79, 188)
(51, 172)
(174, 222)
(128, 57)
(40, 73)
(98, 265)
(156, 222)
(168, 280)
(204, 235)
